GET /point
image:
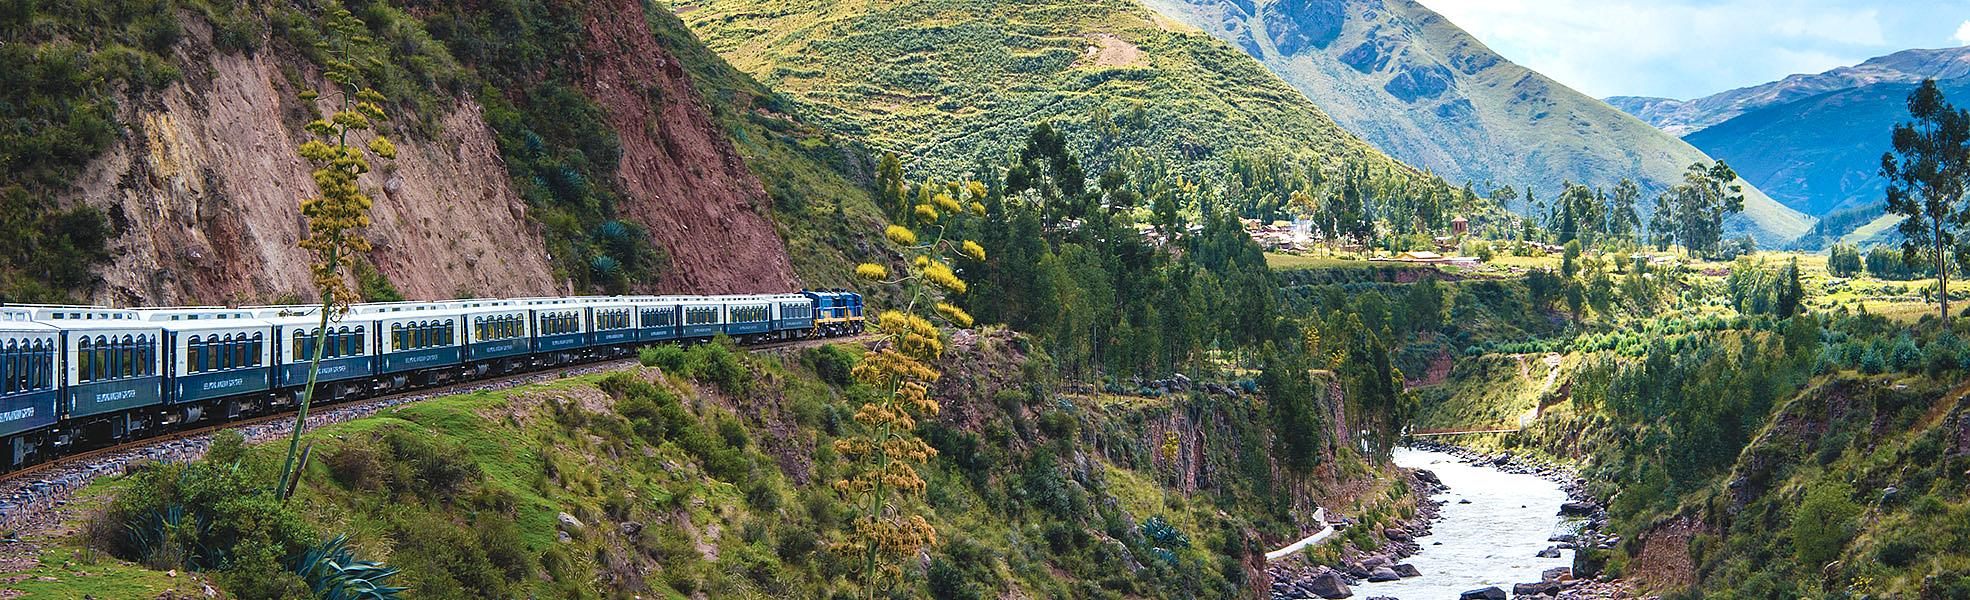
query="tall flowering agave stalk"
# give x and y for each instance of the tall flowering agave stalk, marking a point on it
(885, 451)
(336, 218)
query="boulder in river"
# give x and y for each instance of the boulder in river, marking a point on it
(1327, 585)
(1543, 588)
(1576, 508)
(1549, 552)
(1407, 570)
(1426, 475)
(1490, 593)
(1383, 574)
(1557, 574)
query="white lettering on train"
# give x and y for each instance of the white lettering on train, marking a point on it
(223, 384)
(17, 414)
(115, 396)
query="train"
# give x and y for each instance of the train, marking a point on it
(74, 378)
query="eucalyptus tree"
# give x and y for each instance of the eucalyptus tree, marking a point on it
(1926, 175)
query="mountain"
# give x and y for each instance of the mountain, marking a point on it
(1430, 94)
(1682, 117)
(1821, 153)
(948, 83)
(547, 149)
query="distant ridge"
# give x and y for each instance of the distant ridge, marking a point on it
(1415, 85)
(1683, 117)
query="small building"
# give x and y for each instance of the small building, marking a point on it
(1460, 226)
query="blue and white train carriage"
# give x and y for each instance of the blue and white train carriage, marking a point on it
(500, 337)
(417, 343)
(218, 361)
(79, 377)
(348, 354)
(29, 397)
(112, 380)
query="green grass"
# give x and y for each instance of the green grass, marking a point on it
(948, 83)
(1295, 262)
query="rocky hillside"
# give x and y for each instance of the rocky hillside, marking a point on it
(950, 82)
(576, 153)
(1418, 87)
(1684, 117)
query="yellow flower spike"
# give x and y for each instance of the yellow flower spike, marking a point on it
(978, 208)
(382, 147)
(926, 214)
(945, 202)
(956, 315)
(871, 271)
(901, 235)
(973, 250)
(942, 276)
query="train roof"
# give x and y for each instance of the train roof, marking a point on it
(22, 320)
(74, 318)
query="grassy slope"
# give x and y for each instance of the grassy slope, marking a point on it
(1031, 496)
(949, 82)
(816, 178)
(1496, 122)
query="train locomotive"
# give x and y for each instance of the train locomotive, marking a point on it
(79, 377)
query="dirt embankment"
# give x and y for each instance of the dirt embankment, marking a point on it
(681, 177)
(206, 187)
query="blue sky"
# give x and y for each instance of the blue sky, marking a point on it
(1686, 49)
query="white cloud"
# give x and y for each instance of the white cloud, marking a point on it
(1689, 48)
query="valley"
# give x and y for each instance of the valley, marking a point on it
(962, 300)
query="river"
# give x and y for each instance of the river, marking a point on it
(1489, 542)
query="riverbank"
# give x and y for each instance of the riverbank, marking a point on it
(1486, 526)
(1582, 580)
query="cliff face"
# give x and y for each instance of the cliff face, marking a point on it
(204, 186)
(686, 184)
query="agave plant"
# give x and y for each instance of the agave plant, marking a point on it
(604, 266)
(173, 537)
(334, 573)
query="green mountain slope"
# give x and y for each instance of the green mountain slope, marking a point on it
(1426, 92)
(949, 82)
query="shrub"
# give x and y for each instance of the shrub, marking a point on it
(720, 365)
(833, 364)
(668, 357)
(198, 516)
(1823, 523)
(357, 466)
(1058, 424)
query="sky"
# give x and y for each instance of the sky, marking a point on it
(1687, 49)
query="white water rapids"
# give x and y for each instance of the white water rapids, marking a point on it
(1489, 542)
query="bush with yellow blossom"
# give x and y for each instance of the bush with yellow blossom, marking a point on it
(884, 452)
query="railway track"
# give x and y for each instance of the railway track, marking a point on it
(30, 492)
